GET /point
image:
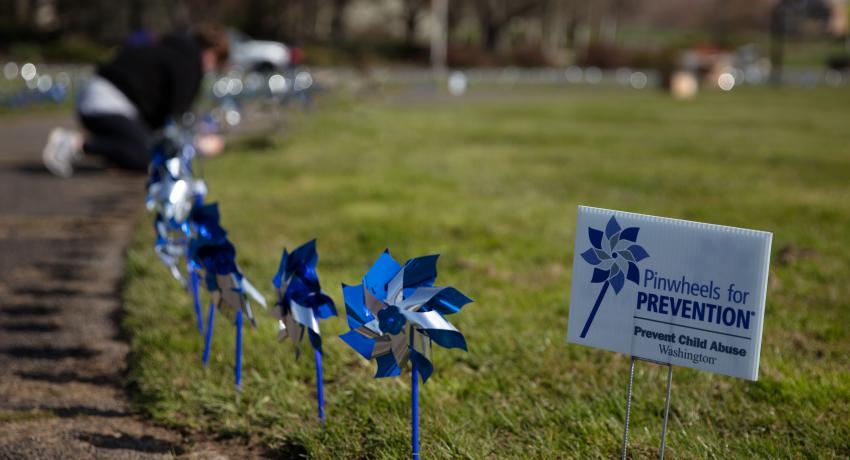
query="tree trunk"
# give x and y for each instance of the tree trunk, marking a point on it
(310, 14)
(338, 20)
(778, 31)
(410, 27)
(492, 33)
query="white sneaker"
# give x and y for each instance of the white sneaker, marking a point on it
(63, 149)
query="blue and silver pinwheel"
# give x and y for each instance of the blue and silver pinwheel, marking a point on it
(169, 248)
(397, 312)
(229, 289)
(172, 187)
(614, 255)
(211, 250)
(301, 302)
(172, 191)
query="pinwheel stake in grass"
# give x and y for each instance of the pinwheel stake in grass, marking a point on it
(615, 258)
(395, 314)
(228, 288)
(194, 269)
(301, 304)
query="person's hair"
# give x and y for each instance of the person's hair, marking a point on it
(213, 37)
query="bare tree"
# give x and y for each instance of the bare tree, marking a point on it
(495, 15)
(338, 20)
(411, 11)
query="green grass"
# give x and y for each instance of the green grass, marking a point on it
(494, 186)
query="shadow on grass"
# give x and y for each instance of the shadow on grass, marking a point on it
(65, 271)
(29, 310)
(48, 352)
(39, 169)
(67, 376)
(288, 449)
(146, 444)
(257, 143)
(83, 411)
(30, 327)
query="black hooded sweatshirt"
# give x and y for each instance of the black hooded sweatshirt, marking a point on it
(161, 79)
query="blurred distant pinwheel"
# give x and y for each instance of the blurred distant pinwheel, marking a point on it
(395, 314)
(615, 256)
(301, 304)
(172, 191)
(168, 248)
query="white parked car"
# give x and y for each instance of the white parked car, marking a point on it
(260, 55)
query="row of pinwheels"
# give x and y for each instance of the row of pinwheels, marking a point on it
(394, 314)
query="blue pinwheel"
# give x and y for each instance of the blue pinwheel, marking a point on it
(211, 250)
(228, 288)
(615, 256)
(172, 193)
(396, 313)
(168, 248)
(301, 304)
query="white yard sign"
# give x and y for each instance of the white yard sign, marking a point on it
(672, 291)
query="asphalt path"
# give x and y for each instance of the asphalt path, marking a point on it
(63, 355)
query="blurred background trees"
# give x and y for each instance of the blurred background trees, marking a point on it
(480, 32)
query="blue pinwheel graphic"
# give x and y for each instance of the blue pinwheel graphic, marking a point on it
(301, 302)
(397, 312)
(615, 256)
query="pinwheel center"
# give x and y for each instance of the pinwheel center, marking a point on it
(614, 255)
(390, 320)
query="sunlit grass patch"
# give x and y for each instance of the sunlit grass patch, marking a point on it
(493, 186)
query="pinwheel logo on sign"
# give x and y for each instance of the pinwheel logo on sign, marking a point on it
(397, 311)
(614, 255)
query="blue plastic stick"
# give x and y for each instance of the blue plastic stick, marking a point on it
(208, 337)
(238, 370)
(196, 297)
(320, 385)
(414, 409)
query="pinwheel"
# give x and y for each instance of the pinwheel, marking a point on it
(229, 289)
(168, 248)
(172, 193)
(615, 256)
(172, 189)
(396, 313)
(301, 304)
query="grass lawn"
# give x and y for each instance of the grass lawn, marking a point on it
(493, 187)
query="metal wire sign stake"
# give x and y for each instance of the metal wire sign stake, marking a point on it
(629, 406)
(669, 292)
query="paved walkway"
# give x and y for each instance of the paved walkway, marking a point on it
(62, 352)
